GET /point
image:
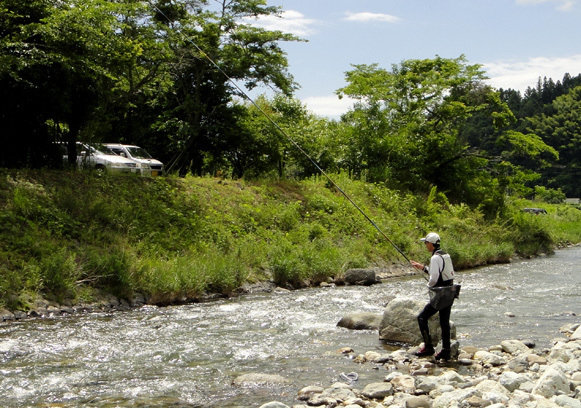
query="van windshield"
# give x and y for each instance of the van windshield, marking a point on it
(107, 150)
(138, 152)
(97, 148)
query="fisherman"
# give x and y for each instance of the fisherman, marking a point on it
(442, 294)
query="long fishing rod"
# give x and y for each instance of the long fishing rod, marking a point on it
(267, 116)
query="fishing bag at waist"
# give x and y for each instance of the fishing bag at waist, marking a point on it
(443, 296)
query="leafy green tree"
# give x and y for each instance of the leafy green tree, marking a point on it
(411, 129)
(549, 195)
(129, 71)
(139, 76)
(562, 131)
(406, 122)
(26, 100)
(58, 59)
(216, 50)
(274, 137)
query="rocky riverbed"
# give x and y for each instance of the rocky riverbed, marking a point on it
(511, 374)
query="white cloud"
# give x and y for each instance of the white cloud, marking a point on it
(329, 106)
(365, 17)
(290, 21)
(520, 75)
(563, 5)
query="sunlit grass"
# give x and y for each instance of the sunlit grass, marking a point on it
(175, 240)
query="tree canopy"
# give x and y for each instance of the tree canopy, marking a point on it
(133, 71)
(409, 129)
(165, 74)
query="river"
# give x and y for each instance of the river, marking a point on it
(188, 356)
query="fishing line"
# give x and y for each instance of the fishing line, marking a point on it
(299, 148)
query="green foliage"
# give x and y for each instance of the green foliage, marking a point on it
(96, 69)
(406, 129)
(549, 195)
(66, 235)
(560, 130)
(529, 235)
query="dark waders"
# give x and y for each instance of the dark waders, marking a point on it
(423, 318)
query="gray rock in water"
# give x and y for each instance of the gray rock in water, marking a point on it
(399, 323)
(361, 321)
(364, 277)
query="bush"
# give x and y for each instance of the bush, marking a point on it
(549, 195)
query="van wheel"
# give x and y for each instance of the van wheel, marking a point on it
(100, 169)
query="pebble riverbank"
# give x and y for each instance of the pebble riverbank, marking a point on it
(508, 375)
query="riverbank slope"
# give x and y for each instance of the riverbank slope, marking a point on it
(74, 238)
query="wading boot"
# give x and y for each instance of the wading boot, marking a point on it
(425, 351)
(444, 354)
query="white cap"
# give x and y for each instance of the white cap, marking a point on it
(431, 237)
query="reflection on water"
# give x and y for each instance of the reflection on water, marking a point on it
(190, 355)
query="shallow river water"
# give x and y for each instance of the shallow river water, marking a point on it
(189, 356)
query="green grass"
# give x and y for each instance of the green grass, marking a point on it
(66, 235)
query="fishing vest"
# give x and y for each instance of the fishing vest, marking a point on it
(446, 277)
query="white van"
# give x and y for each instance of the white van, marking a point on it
(149, 166)
(98, 158)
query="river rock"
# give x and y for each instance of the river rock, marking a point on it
(535, 359)
(274, 404)
(490, 382)
(577, 334)
(514, 347)
(565, 401)
(332, 395)
(422, 401)
(399, 322)
(563, 352)
(377, 390)
(307, 392)
(553, 381)
(489, 358)
(404, 383)
(363, 277)
(451, 398)
(493, 391)
(361, 321)
(512, 381)
(427, 384)
(5, 315)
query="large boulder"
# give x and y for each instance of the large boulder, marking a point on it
(364, 277)
(400, 324)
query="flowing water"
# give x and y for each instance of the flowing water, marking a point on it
(190, 355)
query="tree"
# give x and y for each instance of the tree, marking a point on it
(58, 59)
(131, 71)
(406, 122)
(562, 131)
(215, 49)
(26, 101)
(411, 129)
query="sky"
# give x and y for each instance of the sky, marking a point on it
(515, 41)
